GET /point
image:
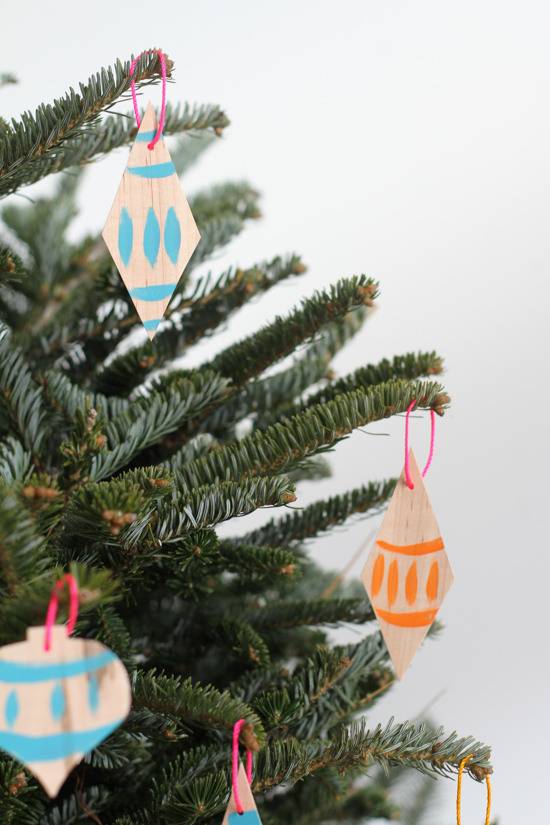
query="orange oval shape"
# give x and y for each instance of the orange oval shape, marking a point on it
(393, 582)
(411, 584)
(432, 585)
(377, 575)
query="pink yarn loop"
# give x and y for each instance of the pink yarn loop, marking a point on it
(408, 478)
(162, 117)
(51, 614)
(235, 764)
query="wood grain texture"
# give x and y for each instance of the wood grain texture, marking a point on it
(150, 230)
(57, 705)
(407, 574)
(232, 816)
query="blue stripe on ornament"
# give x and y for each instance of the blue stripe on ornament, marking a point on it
(154, 170)
(154, 292)
(93, 693)
(57, 702)
(151, 237)
(152, 324)
(13, 672)
(125, 235)
(146, 137)
(172, 235)
(55, 746)
(246, 818)
(11, 711)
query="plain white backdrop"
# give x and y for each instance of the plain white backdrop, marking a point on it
(407, 140)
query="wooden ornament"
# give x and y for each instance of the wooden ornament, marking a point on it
(150, 230)
(407, 574)
(250, 815)
(57, 705)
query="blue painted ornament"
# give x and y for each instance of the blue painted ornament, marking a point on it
(150, 230)
(241, 811)
(56, 705)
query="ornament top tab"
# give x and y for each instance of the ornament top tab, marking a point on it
(150, 230)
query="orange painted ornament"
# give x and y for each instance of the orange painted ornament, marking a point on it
(407, 574)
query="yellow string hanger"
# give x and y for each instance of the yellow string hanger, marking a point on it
(459, 793)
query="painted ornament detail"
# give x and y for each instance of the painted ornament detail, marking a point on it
(249, 814)
(150, 230)
(57, 705)
(407, 574)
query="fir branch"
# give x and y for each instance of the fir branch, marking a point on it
(250, 357)
(15, 461)
(22, 548)
(409, 366)
(323, 515)
(149, 419)
(211, 302)
(22, 409)
(116, 131)
(194, 705)
(286, 444)
(69, 399)
(288, 614)
(267, 397)
(226, 199)
(29, 145)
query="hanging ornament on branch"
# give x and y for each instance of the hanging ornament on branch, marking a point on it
(407, 574)
(150, 230)
(241, 809)
(59, 697)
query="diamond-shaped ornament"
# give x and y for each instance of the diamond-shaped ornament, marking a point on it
(150, 230)
(249, 815)
(407, 574)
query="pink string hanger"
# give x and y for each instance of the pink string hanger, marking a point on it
(235, 765)
(408, 478)
(162, 118)
(53, 606)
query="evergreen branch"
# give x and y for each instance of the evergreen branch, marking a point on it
(15, 461)
(250, 357)
(288, 614)
(209, 305)
(116, 131)
(286, 444)
(22, 409)
(22, 550)
(323, 515)
(267, 397)
(242, 639)
(192, 704)
(28, 145)
(250, 561)
(189, 148)
(69, 399)
(7, 79)
(122, 513)
(149, 419)
(409, 366)
(226, 199)
(197, 447)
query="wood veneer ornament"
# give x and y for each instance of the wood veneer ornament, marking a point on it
(150, 230)
(56, 705)
(249, 815)
(407, 574)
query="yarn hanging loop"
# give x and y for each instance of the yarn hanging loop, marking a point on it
(235, 765)
(408, 478)
(53, 606)
(162, 118)
(461, 768)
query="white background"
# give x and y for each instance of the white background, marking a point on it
(407, 140)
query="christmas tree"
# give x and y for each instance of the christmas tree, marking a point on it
(118, 465)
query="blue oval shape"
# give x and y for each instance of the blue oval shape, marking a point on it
(11, 710)
(57, 701)
(93, 693)
(172, 235)
(125, 235)
(151, 237)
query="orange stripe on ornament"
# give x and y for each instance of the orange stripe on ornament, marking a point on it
(421, 549)
(421, 618)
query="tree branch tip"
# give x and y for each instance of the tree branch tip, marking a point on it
(249, 739)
